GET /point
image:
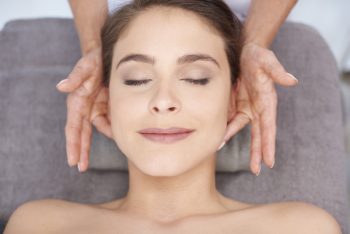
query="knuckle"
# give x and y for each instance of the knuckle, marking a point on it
(79, 67)
(269, 57)
(73, 143)
(69, 127)
(269, 53)
(88, 64)
(83, 91)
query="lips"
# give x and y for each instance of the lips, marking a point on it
(172, 130)
(168, 135)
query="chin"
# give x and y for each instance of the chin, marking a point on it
(164, 166)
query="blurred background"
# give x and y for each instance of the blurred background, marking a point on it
(330, 18)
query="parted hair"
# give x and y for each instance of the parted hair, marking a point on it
(215, 12)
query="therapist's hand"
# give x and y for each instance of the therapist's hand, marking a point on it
(87, 103)
(256, 102)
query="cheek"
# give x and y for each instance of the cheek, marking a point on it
(126, 113)
(210, 110)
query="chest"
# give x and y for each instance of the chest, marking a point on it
(131, 225)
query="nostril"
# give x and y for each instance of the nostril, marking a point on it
(172, 109)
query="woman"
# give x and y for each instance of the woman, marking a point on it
(256, 99)
(172, 89)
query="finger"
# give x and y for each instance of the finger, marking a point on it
(276, 71)
(235, 125)
(81, 72)
(72, 132)
(85, 145)
(103, 125)
(99, 115)
(255, 148)
(268, 131)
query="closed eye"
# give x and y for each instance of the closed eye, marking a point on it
(203, 81)
(136, 82)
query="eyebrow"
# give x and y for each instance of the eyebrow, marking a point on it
(188, 58)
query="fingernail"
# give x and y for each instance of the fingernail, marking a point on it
(293, 77)
(69, 164)
(61, 82)
(273, 163)
(79, 167)
(257, 174)
(222, 145)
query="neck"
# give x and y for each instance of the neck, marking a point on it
(167, 199)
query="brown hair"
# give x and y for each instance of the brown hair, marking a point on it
(216, 12)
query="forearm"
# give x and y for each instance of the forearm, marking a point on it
(89, 17)
(264, 20)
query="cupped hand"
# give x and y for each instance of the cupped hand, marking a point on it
(87, 102)
(256, 102)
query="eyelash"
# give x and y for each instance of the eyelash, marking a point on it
(203, 81)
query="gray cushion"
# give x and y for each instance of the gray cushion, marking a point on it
(36, 54)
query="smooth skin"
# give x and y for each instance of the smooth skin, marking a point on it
(286, 218)
(171, 186)
(256, 100)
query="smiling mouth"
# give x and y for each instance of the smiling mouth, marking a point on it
(166, 138)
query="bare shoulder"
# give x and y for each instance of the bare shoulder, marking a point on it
(304, 217)
(41, 216)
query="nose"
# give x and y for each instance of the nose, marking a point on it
(164, 101)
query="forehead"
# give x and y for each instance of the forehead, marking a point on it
(165, 32)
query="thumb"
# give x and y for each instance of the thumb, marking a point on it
(80, 73)
(277, 73)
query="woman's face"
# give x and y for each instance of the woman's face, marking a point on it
(166, 97)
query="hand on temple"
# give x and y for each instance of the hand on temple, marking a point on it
(256, 102)
(87, 103)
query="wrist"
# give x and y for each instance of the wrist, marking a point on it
(265, 43)
(88, 46)
(257, 36)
